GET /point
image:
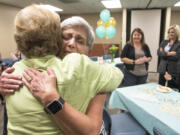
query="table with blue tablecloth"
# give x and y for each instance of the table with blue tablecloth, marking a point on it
(117, 62)
(150, 107)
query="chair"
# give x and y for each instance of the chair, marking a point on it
(94, 58)
(3, 117)
(5, 63)
(105, 57)
(5, 121)
(157, 131)
(7, 60)
(107, 121)
(125, 124)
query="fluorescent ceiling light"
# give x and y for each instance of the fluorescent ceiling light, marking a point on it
(111, 3)
(177, 4)
(52, 8)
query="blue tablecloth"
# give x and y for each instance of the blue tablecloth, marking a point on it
(150, 107)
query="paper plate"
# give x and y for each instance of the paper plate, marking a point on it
(163, 89)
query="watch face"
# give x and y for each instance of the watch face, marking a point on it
(55, 107)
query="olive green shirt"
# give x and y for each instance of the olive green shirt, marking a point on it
(78, 80)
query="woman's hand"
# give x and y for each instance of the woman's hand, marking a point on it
(172, 53)
(8, 82)
(42, 86)
(167, 76)
(161, 49)
(143, 60)
(140, 61)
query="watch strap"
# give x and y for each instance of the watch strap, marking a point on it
(61, 100)
(55, 106)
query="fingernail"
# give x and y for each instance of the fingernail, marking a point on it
(17, 87)
(20, 82)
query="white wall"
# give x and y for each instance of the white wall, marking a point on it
(175, 17)
(149, 22)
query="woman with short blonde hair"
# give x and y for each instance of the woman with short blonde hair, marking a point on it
(176, 30)
(169, 54)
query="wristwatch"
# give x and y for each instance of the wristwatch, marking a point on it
(133, 62)
(55, 106)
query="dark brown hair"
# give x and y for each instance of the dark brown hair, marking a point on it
(140, 32)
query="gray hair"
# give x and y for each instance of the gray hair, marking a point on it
(79, 21)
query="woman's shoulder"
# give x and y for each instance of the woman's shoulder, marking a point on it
(75, 57)
(76, 60)
(177, 42)
(164, 42)
(128, 45)
(146, 46)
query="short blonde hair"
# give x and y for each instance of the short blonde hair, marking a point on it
(37, 31)
(176, 29)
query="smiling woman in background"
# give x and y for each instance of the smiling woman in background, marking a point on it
(136, 57)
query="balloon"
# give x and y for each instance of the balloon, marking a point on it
(100, 23)
(110, 22)
(100, 31)
(105, 15)
(110, 32)
(106, 37)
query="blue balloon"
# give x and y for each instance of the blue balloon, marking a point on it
(100, 31)
(110, 32)
(105, 15)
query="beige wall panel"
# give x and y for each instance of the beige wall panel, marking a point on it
(175, 17)
(7, 43)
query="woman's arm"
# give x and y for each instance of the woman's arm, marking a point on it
(148, 59)
(70, 120)
(137, 61)
(127, 60)
(74, 122)
(160, 51)
(124, 56)
(174, 55)
(8, 82)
